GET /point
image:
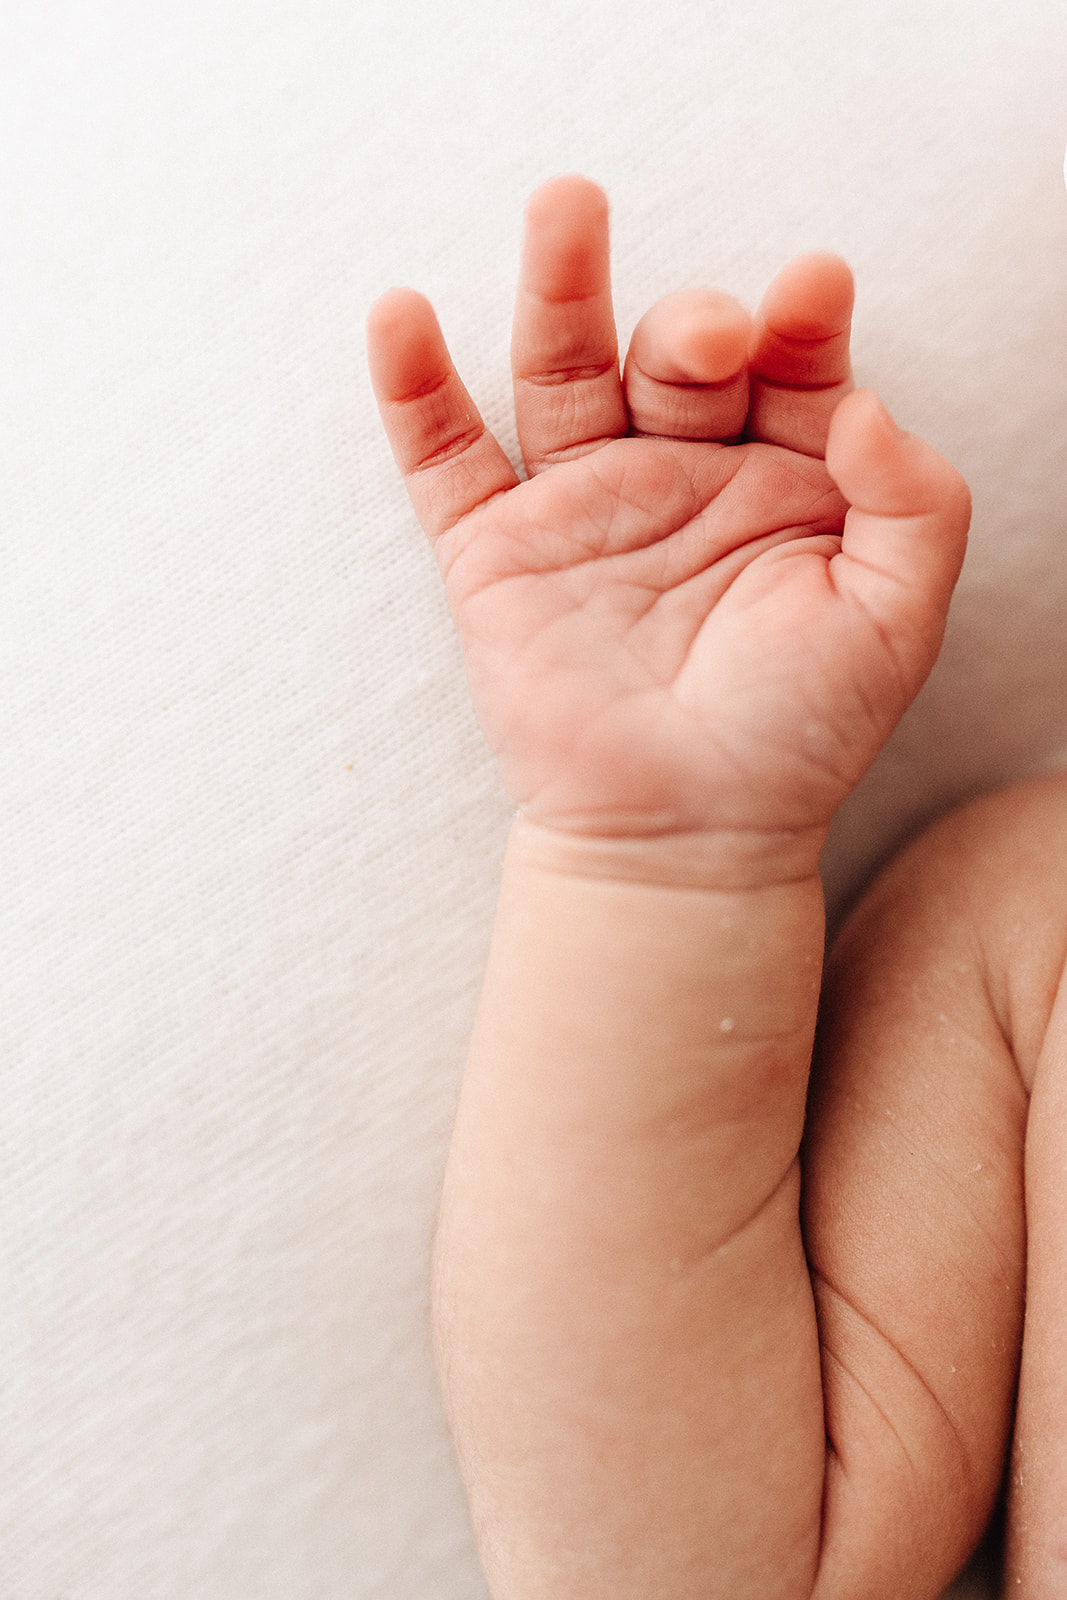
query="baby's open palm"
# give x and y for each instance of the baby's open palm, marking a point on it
(722, 583)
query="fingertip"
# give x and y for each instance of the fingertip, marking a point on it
(406, 351)
(570, 193)
(865, 410)
(812, 297)
(881, 468)
(864, 451)
(713, 340)
(800, 351)
(565, 247)
(695, 336)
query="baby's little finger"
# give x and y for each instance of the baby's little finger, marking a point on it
(686, 374)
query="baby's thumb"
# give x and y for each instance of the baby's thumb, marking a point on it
(906, 529)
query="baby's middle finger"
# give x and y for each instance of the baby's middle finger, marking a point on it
(686, 374)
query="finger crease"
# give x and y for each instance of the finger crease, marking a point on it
(569, 299)
(453, 447)
(812, 343)
(579, 447)
(798, 388)
(424, 390)
(560, 375)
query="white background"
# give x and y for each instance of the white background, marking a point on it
(249, 833)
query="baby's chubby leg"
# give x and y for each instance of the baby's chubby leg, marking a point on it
(936, 1183)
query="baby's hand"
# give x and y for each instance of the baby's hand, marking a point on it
(676, 624)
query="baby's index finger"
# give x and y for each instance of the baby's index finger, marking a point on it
(450, 461)
(803, 322)
(800, 362)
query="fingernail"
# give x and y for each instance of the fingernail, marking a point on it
(885, 413)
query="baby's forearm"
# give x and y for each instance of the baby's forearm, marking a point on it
(624, 1320)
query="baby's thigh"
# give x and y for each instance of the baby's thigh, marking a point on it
(936, 1162)
(1028, 965)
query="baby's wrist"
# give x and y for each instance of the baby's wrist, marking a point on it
(665, 952)
(725, 859)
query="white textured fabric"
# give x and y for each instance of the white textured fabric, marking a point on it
(249, 831)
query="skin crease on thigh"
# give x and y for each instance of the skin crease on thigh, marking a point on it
(936, 1200)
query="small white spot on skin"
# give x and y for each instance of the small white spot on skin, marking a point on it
(978, 1168)
(941, 1017)
(726, 1025)
(952, 1369)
